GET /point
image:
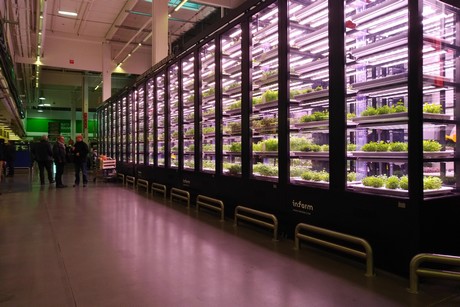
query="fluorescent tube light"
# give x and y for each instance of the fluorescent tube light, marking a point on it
(67, 13)
(179, 5)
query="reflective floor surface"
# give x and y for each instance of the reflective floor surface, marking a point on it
(110, 245)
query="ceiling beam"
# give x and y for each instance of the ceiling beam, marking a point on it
(228, 4)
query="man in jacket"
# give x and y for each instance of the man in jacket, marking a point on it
(80, 158)
(10, 157)
(2, 158)
(43, 154)
(59, 155)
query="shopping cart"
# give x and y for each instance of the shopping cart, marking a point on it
(105, 169)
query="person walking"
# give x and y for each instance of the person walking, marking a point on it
(10, 157)
(80, 159)
(43, 154)
(2, 158)
(59, 155)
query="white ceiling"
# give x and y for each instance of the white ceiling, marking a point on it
(73, 47)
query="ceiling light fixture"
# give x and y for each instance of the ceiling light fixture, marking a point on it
(67, 13)
(180, 5)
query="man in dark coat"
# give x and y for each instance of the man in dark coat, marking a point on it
(80, 159)
(43, 154)
(2, 158)
(10, 157)
(59, 155)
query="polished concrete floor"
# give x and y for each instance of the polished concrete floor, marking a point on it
(110, 245)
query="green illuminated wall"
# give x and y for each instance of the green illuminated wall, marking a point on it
(40, 125)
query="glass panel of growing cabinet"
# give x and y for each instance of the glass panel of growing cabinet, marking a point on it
(309, 93)
(188, 99)
(208, 103)
(112, 130)
(130, 125)
(124, 128)
(231, 100)
(135, 123)
(160, 103)
(108, 116)
(150, 120)
(264, 111)
(377, 71)
(173, 122)
(118, 128)
(377, 91)
(104, 128)
(140, 123)
(441, 99)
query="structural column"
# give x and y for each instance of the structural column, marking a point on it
(106, 72)
(160, 42)
(84, 109)
(73, 119)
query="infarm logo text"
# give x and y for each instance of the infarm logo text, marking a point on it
(299, 206)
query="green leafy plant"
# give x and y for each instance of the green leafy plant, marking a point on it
(351, 176)
(234, 169)
(297, 170)
(296, 143)
(315, 175)
(208, 92)
(392, 182)
(207, 130)
(265, 170)
(375, 146)
(310, 147)
(235, 147)
(190, 132)
(431, 145)
(256, 100)
(271, 144)
(432, 183)
(374, 181)
(350, 116)
(385, 109)
(233, 127)
(404, 183)
(351, 147)
(398, 146)
(269, 95)
(315, 116)
(235, 106)
(209, 111)
(208, 147)
(432, 108)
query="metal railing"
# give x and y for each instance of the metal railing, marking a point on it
(416, 271)
(158, 188)
(367, 254)
(242, 213)
(210, 203)
(122, 177)
(130, 180)
(180, 194)
(142, 183)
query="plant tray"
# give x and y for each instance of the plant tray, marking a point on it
(380, 154)
(233, 90)
(312, 95)
(318, 184)
(399, 155)
(233, 112)
(268, 105)
(313, 124)
(402, 116)
(266, 153)
(396, 192)
(311, 154)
